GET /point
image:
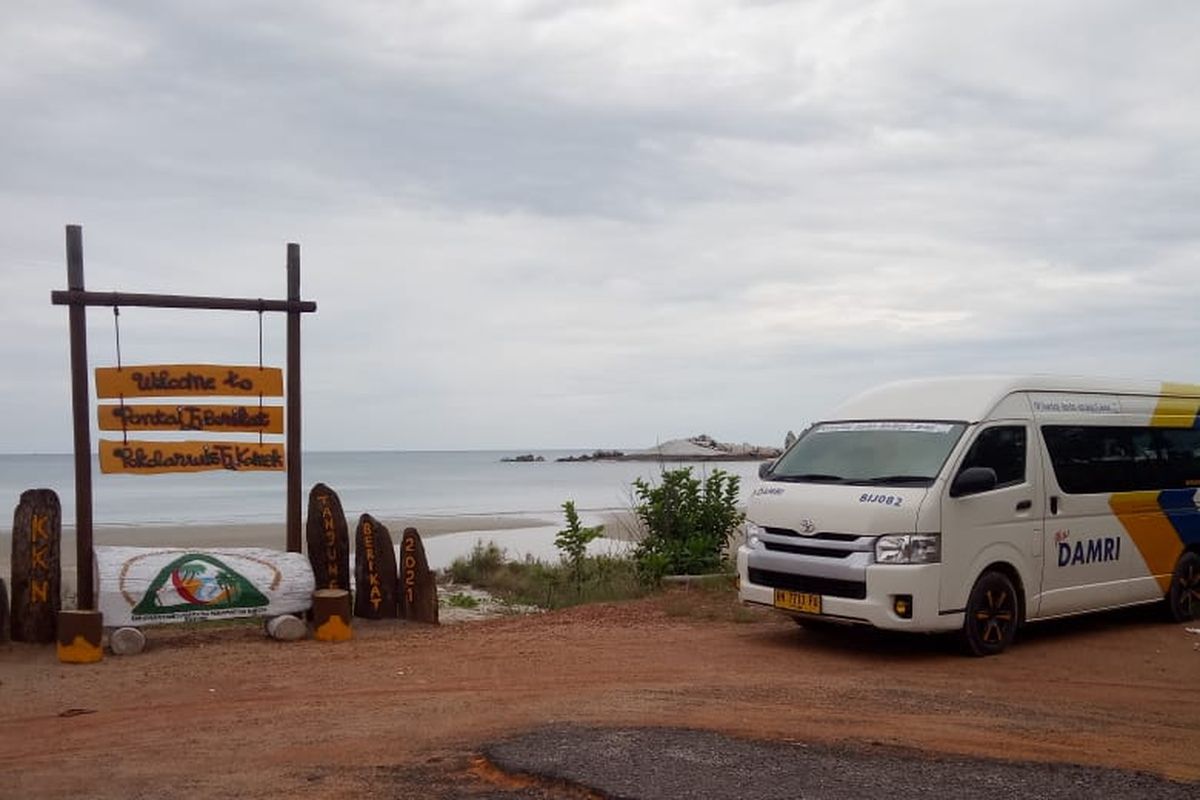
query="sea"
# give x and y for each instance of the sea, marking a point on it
(387, 485)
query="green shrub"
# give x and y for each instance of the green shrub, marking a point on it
(572, 542)
(685, 522)
(483, 561)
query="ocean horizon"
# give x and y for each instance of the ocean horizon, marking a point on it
(389, 484)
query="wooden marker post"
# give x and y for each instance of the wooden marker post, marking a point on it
(328, 539)
(36, 566)
(374, 570)
(418, 589)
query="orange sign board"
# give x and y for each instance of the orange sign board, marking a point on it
(223, 419)
(188, 380)
(150, 458)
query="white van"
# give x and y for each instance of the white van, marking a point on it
(977, 504)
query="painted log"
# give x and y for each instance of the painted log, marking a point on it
(140, 586)
(374, 570)
(328, 539)
(418, 588)
(126, 641)
(287, 628)
(80, 636)
(331, 615)
(36, 566)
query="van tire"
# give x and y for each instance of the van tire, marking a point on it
(1183, 598)
(992, 614)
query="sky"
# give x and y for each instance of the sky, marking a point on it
(549, 223)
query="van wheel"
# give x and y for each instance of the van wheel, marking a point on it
(1183, 599)
(992, 614)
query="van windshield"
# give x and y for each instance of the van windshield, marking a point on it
(882, 453)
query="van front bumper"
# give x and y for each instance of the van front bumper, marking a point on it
(884, 583)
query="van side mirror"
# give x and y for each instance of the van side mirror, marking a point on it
(973, 480)
(764, 469)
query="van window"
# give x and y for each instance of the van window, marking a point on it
(878, 453)
(1091, 459)
(1003, 449)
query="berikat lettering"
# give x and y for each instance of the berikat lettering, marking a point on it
(254, 419)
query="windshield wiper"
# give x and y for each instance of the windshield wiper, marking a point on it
(814, 477)
(890, 479)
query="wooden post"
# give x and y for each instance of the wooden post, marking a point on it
(294, 485)
(3, 612)
(36, 566)
(331, 615)
(79, 636)
(86, 595)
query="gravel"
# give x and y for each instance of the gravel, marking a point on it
(642, 763)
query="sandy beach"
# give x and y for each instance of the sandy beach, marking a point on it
(618, 525)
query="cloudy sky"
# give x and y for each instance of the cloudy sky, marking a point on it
(540, 223)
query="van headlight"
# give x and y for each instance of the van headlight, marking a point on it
(908, 548)
(754, 536)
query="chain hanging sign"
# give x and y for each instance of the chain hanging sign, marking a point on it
(189, 380)
(183, 383)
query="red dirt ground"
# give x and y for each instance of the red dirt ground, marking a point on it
(225, 711)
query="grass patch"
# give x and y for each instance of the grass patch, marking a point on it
(535, 583)
(460, 600)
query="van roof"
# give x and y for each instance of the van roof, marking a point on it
(971, 398)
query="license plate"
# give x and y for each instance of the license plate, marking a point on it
(798, 601)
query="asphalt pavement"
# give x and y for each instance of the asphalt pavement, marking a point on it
(645, 763)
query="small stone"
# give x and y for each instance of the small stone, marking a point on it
(126, 641)
(287, 628)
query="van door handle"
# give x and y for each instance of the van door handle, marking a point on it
(1024, 505)
(1054, 505)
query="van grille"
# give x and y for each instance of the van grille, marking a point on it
(801, 550)
(824, 535)
(855, 590)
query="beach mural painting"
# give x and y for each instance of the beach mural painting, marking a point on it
(146, 586)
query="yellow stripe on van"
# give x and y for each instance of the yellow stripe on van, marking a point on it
(1179, 406)
(1153, 533)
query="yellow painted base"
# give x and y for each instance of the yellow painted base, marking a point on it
(79, 651)
(333, 629)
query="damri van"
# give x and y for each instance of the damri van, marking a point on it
(978, 504)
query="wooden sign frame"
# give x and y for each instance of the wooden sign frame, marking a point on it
(78, 299)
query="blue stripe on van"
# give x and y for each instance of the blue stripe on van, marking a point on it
(1180, 507)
